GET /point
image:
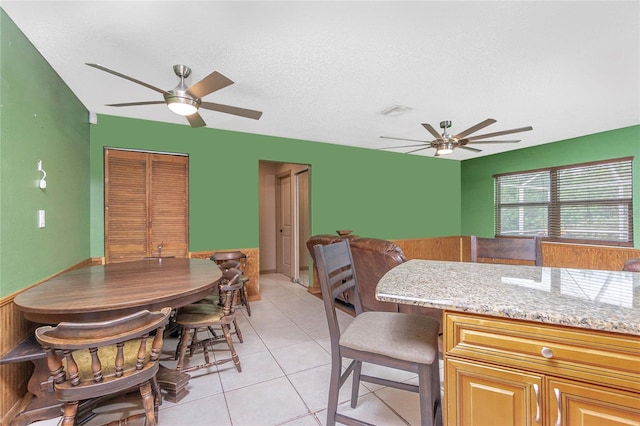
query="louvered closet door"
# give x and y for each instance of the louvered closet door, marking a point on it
(169, 198)
(146, 203)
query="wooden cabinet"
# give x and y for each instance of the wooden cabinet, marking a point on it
(510, 372)
(581, 404)
(490, 395)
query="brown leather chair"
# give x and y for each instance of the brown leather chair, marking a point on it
(372, 258)
(323, 240)
(632, 265)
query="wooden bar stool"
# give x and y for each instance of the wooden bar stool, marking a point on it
(238, 260)
(209, 316)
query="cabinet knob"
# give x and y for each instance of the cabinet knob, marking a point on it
(546, 352)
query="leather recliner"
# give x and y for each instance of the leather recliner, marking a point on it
(632, 265)
(372, 258)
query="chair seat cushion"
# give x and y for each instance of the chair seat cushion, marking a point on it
(408, 337)
(200, 315)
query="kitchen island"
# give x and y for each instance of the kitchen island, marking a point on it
(530, 345)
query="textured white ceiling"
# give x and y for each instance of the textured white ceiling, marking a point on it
(323, 71)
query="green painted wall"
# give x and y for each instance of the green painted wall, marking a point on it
(40, 119)
(477, 174)
(374, 193)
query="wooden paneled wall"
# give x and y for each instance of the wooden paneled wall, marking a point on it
(13, 377)
(586, 257)
(444, 248)
(553, 254)
(253, 268)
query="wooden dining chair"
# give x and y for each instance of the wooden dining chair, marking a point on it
(392, 339)
(238, 260)
(214, 319)
(507, 250)
(96, 359)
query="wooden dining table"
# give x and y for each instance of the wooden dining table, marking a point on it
(99, 293)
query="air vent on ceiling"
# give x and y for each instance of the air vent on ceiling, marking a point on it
(395, 110)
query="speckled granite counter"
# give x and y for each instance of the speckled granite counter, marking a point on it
(597, 300)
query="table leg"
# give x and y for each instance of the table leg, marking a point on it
(174, 382)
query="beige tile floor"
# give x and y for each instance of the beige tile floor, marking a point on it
(285, 373)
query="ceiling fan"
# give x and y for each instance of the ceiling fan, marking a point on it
(445, 144)
(185, 100)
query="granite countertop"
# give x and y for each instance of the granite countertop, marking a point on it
(591, 299)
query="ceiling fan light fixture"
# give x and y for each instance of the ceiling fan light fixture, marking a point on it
(182, 105)
(445, 148)
(182, 109)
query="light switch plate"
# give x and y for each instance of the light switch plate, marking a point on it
(40, 218)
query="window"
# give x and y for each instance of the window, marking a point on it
(582, 203)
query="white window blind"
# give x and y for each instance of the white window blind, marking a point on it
(587, 203)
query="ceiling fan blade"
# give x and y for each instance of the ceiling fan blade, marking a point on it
(419, 149)
(403, 139)
(209, 84)
(404, 146)
(475, 128)
(510, 141)
(248, 113)
(469, 148)
(126, 77)
(195, 120)
(504, 132)
(433, 131)
(137, 103)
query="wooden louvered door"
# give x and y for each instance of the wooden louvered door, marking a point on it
(146, 204)
(168, 202)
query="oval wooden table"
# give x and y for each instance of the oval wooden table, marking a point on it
(98, 293)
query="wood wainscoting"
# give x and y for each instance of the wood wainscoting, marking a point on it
(13, 385)
(440, 248)
(14, 377)
(587, 257)
(253, 272)
(553, 254)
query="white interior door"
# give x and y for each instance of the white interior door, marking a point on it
(286, 225)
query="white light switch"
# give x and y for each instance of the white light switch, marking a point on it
(40, 218)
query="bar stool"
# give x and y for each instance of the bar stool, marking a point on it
(393, 339)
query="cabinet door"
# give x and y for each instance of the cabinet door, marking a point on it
(579, 404)
(482, 395)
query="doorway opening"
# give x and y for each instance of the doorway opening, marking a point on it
(285, 222)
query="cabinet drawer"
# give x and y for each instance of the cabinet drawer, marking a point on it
(594, 356)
